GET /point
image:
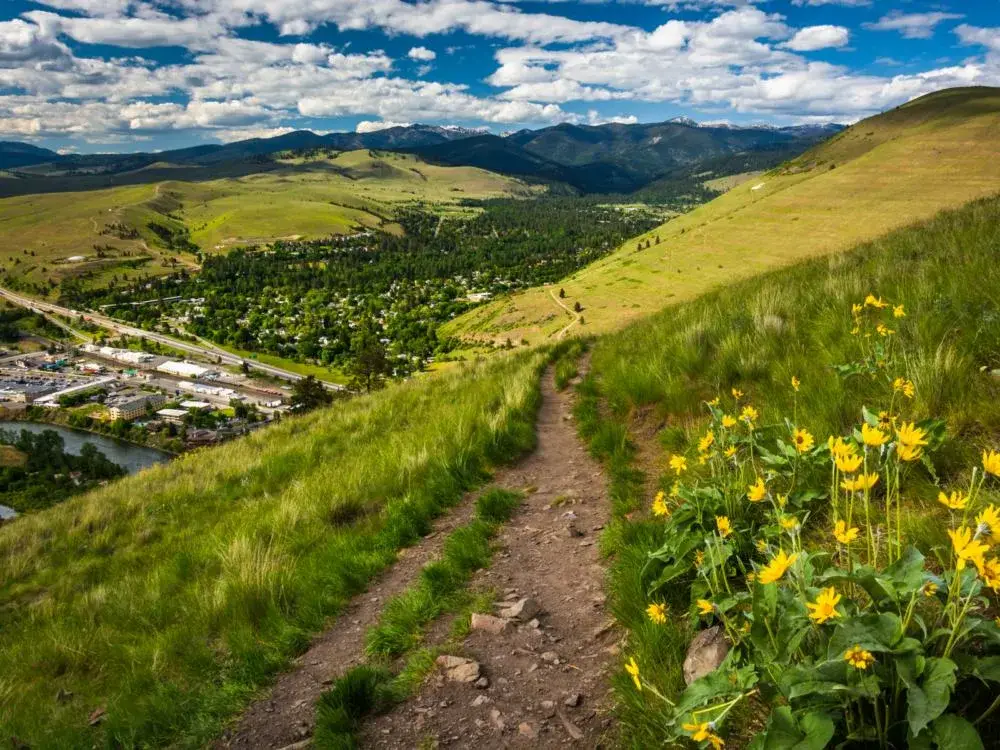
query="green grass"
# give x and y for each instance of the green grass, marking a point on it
(757, 334)
(881, 174)
(320, 372)
(466, 550)
(169, 598)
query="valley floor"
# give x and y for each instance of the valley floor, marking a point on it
(546, 677)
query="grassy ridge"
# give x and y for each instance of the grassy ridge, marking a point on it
(755, 336)
(307, 199)
(166, 599)
(883, 173)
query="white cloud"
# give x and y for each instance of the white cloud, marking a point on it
(594, 118)
(989, 38)
(373, 126)
(421, 53)
(242, 134)
(844, 3)
(818, 37)
(911, 25)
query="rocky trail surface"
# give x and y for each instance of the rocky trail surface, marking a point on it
(544, 655)
(531, 674)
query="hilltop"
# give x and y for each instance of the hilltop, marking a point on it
(936, 152)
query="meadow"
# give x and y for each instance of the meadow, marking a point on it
(300, 198)
(694, 408)
(151, 611)
(937, 152)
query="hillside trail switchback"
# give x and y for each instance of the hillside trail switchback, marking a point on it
(547, 677)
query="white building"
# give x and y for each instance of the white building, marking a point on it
(183, 369)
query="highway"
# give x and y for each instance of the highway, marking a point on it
(210, 352)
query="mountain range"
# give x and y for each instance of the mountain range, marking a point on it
(592, 159)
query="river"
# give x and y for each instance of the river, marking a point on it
(128, 456)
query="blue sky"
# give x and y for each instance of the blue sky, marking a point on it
(123, 75)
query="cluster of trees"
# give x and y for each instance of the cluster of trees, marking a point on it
(48, 473)
(371, 303)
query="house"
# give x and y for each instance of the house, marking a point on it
(132, 406)
(172, 416)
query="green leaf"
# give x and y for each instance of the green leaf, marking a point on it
(907, 573)
(952, 732)
(812, 731)
(873, 632)
(725, 682)
(929, 698)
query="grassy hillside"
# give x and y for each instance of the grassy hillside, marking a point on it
(301, 198)
(651, 384)
(936, 152)
(163, 601)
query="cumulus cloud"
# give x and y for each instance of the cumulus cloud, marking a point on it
(421, 53)
(912, 25)
(989, 38)
(818, 37)
(373, 126)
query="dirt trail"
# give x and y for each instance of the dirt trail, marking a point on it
(288, 713)
(549, 552)
(547, 679)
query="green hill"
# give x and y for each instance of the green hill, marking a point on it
(136, 229)
(937, 152)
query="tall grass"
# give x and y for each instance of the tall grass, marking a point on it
(755, 336)
(169, 598)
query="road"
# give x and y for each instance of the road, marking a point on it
(212, 353)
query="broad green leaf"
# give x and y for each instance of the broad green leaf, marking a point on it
(929, 697)
(811, 731)
(952, 732)
(872, 632)
(907, 573)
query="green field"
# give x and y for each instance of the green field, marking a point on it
(937, 152)
(299, 200)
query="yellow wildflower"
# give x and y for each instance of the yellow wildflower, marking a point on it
(825, 606)
(679, 464)
(632, 667)
(884, 330)
(737, 394)
(856, 309)
(885, 420)
(796, 383)
(855, 331)
(657, 613)
(749, 415)
(904, 386)
(906, 453)
(723, 525)
(909, 441)
(843, 534)
(728, 422)
(803, 440)
(714, 401)
(860, 483)
(898, 312)
(775, 569)
(858, 658)
(789, 523)
(840, 447)
(988, 524)
(989, 570)
(699, 558)
(660, 505)
(675, 489)
(751, 577)
(873, 436)
(967, 547)
(703, 733)
(706, 442)
(848, 464)
(991, 462)
(730, 451)
(955, 501)
(782, 500)
(761, 546)
(930, 589)
(872, 301)
(757, 492)
(705, 607)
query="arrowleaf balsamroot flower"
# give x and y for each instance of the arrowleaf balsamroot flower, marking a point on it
(990, 573)
(930, 589)
(706, 442)
(737, 394)
(778, 566)
(729, 422)
(705, 607)
(757, 491)
(858, 658)
(988, 524)
(657, 613)
(967, 547)
(860, 483)
(632, 667)
(803, 440)
(904, 386)
(843, 534)
(825, 606)
(660, 508)
(796, 383)
(848, 464)
(955, 501)
(873, 436)
(679, 464)
(877, 302)
(703, 733)
(898, 312)
(910, 437)
(749, 415)
(789, 523)
(840, 448)
(725, 528)
(991, 462)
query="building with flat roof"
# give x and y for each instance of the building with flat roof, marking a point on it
(196, 405)
(183, 369)
(133, 406)
(173, 416)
